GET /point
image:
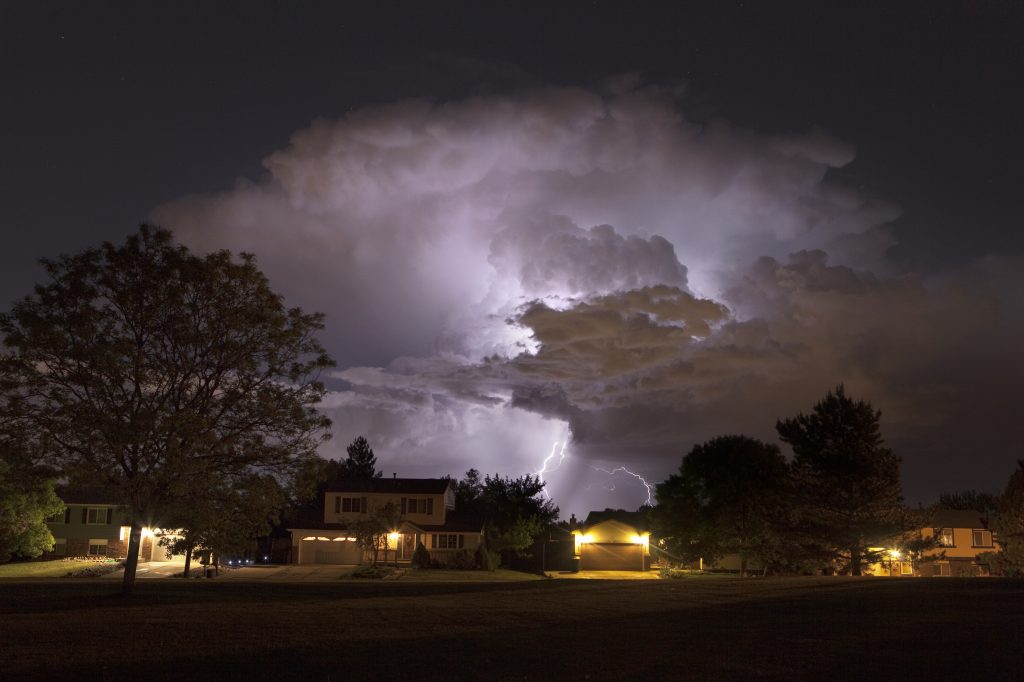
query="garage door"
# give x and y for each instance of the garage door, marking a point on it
(329, 552)
(611, 557)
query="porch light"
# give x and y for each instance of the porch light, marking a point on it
(895, 553)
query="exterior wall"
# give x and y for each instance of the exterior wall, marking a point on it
(76, 533)
(305, 550)
(375, 501)
(963, 544)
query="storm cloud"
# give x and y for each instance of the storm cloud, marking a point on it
(502, 274)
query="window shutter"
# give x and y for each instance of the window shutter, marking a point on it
(337, 504)
(430, 505)
(363, 507)
(85, 514)
(67, 515)
(110, 515)
(403, 506)
(462, 540)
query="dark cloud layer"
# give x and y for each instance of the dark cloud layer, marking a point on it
(504, 274)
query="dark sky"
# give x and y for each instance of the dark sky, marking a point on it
(111, 110)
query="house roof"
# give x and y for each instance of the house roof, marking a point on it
(957, 518)
(410, 486)
(87, 495)
(635, 520)
(451, 526)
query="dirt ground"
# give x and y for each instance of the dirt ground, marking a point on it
(839, 628)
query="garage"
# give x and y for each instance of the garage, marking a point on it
(321, 550)
(611, 556)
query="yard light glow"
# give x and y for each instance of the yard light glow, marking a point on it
(895, 553)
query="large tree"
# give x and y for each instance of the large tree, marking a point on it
(846, 481)
(726, 498)
(152, 371)
(1008, 525)
(27, 499)
(514, 510)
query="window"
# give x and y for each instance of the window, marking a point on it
(943, 568)
(448, 541)
(97, 516)
(354, 505)
(946, 537)
(60, 546)
(97, 547)
(56, 518)
(906, 568)
(419, 505)
(982, 538)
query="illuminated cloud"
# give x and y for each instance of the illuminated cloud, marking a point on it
(508, 272)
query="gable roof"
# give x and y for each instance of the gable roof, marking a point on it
(957, 518)
(87, 495)
(635, 520)
(409, 486)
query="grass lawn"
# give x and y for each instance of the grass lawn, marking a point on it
(44, 569)
(440, 575)
(837, 628)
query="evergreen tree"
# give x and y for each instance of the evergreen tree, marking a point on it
(361, 463)
(846, 481)
(1008, 525)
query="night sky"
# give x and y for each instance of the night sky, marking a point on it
(597, 233)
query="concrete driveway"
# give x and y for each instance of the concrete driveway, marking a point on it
(605, 575)
(151, 569)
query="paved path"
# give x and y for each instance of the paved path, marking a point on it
(606, 575)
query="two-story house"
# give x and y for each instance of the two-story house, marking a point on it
(959, 535)
(94, 524)
(425, 514)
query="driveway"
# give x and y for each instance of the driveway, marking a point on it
(151, 569)
(605, 575)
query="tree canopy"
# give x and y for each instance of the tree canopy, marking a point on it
(153, 371)
(724, 500)
(846, 482)
(27, 499)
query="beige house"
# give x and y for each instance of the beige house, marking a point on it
(612, 540)
(425, 514)
(960, 537)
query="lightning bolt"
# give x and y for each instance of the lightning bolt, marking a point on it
(544, 465)
(624, 470)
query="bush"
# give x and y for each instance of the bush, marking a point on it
(421, 557)
(463, 560)
(370, 572)
(486, 559)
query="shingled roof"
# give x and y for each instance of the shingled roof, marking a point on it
(396, 486)
(635, 520)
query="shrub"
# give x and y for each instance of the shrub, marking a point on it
(463, 560)
(486, 559)
(421, 557)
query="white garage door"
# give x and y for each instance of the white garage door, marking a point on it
(329, 552)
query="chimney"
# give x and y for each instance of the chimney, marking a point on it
(573, 523)
(394, 474)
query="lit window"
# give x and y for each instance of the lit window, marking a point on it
(97, 516)
(97, 547)
(906, 568)
(982, 538)
(946, 537)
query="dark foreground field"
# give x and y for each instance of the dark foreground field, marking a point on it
(840, 628)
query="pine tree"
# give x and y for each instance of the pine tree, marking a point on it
(846, 482)
(361, 463)
(1008, 525)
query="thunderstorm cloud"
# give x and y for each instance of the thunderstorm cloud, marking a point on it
(506, 273)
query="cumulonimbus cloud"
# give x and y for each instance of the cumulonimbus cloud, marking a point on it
(502, 272)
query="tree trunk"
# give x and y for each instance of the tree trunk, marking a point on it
(132, 562)
(188, 557)
(855, 562)
(743, 566)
